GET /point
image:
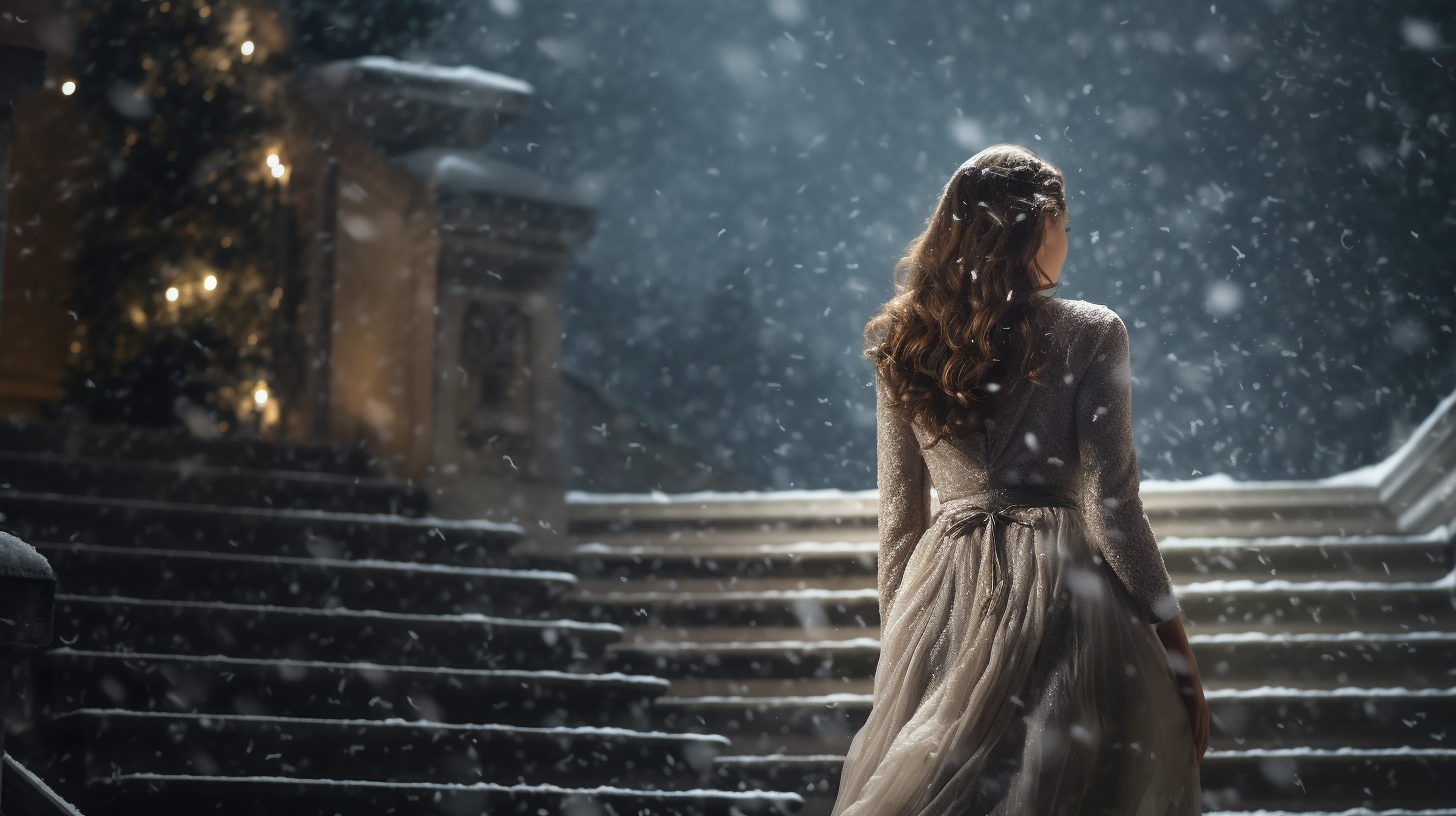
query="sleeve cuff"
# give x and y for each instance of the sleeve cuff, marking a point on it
(1164, 608)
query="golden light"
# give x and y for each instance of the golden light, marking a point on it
(273, 160)
(278, 171)
(209, 283)
(172, 293)
(261, 396)
(247, 48)
(68, 87)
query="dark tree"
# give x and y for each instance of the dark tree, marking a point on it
(174, 295)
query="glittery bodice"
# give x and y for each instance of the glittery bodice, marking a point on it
(1073, 435)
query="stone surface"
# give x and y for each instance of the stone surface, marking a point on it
(229, 658)
(1328, 656)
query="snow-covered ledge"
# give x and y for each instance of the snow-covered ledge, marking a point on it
(1418, 482)
(404, 106)
(1411, 491)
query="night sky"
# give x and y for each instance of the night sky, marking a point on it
(1262, 190)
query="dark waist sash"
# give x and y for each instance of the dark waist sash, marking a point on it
(997, 504)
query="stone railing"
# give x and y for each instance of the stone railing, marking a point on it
(1411, 491)
(27, 615)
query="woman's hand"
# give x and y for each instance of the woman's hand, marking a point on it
(1190, 687)
(1198, 715)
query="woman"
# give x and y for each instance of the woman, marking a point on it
(1032, 658)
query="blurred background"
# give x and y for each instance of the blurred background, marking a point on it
(457, 406)
(1256, 188)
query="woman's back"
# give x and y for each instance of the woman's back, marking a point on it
(1017, 672)
(1029, 435)
(1070, 438)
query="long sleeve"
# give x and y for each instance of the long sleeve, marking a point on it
(904, 487)
(1110, 473)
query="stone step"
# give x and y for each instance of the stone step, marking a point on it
(68, 679)
(181, 575)
(589, 588)
(1413, 660)
(748, 652)
(813, 776)
(1232, 660)
(771, 725)
(1440, 811)
(1274, 604)
(1278, 605)
(196, 483)
(1296, 779)
(1320, 779)
(1244, 509)
(1332, 718)
(121, 743)
(215, 528)
(1294, 558)
(805, 553)
(1252, 718)
(750, 554)
(129, 443)
(783, 687)
(341, 635)
(747, 606)
(150, 794)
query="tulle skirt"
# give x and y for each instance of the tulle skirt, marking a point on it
(1015, 677)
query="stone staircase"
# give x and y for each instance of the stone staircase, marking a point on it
(305, 639)
(1323, 626)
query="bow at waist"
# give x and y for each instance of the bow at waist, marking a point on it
(965, 513)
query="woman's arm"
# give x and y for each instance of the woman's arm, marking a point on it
(904, 486)
(1104, 434)
(1113, 508)
(1185, 669)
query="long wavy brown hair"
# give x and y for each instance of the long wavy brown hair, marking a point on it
(968, 292)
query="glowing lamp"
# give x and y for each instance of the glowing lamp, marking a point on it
(247, 48)
(261, 396)
(278, 171)
(68, 87)
(172, 293)
(209, 283)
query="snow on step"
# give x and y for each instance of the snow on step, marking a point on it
(1361, 811)
(317, 582)
(294, 532)
(197, 482)
(1257, 779)
(1372, 557)
(121, 742)
(266, 631)
(263, 795)
(215, 684)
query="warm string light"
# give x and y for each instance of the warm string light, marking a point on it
(261, 395)
(172, 294)
(247, 48)
(209, 283)
(68, 87)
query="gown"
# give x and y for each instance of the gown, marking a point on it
(1019, 670)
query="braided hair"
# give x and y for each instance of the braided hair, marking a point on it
(968, 292)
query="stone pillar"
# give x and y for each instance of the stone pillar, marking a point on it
(435, 281)
(506, 234)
